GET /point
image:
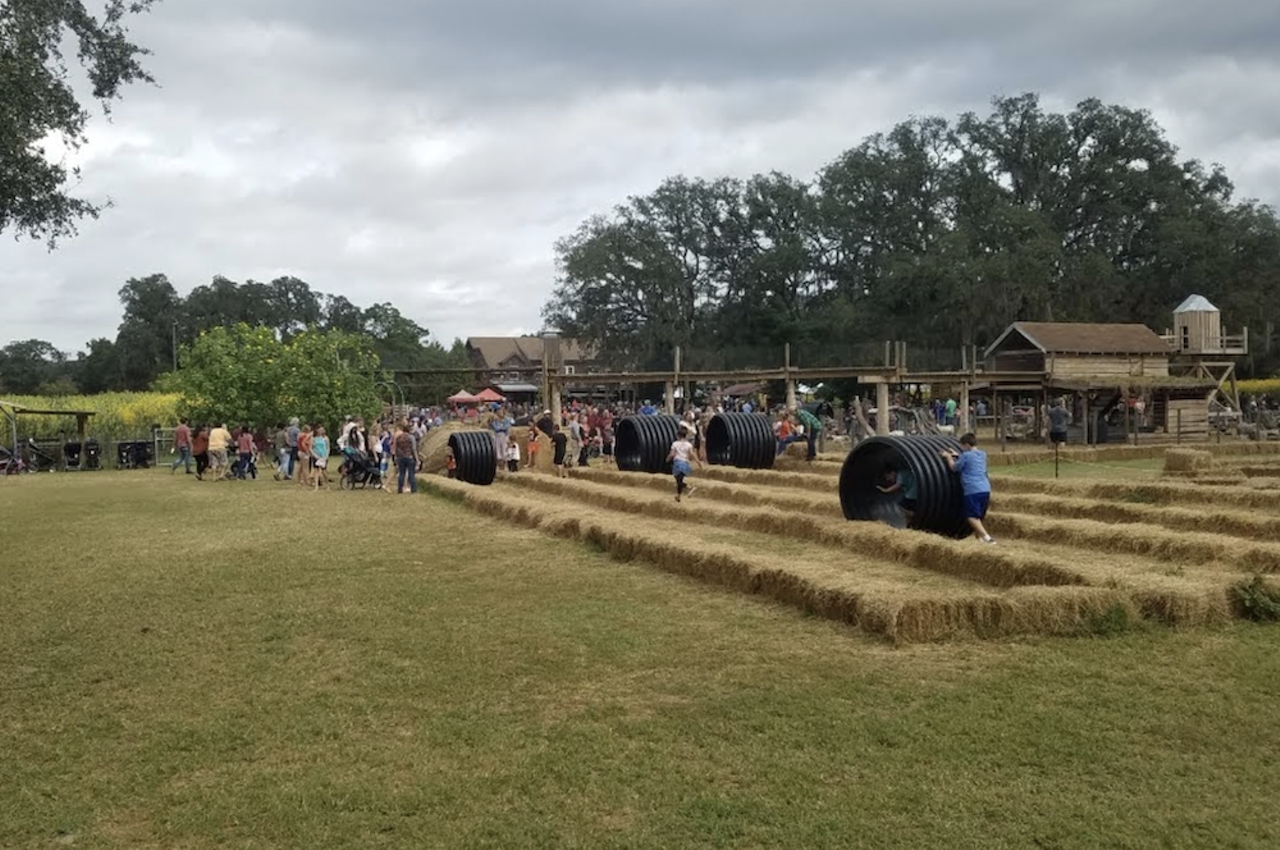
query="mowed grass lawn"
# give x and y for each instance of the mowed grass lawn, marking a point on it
(250, 665)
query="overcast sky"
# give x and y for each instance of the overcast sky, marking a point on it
(429, 153)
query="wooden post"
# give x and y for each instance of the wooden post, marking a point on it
(675, 382)
(786, 370)
(1085, 418)
(1177, 440)
(1124, 399)
(669, 397)
(882, 408)
(555, 405)
(963, 421)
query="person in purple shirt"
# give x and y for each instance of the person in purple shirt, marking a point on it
(971, 465)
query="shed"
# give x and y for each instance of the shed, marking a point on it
(1080, 350)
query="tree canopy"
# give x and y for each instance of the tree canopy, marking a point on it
(157, 321)
(244, 374)
(38, 101)
(939, 233)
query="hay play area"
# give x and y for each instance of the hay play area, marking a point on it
(1191, 541)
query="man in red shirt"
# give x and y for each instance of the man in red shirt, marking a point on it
(182, 445)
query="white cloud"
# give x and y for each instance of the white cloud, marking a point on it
(431, 154)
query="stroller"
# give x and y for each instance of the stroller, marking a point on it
(358, 471)
(245, 469)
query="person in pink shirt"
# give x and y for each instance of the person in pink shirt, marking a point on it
(245, 448)
(182, 445)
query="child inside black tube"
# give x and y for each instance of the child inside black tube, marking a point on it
(902, 481)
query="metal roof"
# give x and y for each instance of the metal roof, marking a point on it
(1195, 304)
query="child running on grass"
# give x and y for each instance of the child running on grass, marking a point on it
(971, 465)
(682, 458)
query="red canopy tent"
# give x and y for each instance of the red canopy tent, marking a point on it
(462, 397)
(490, 394)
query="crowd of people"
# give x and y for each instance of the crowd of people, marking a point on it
(302, 452)
(387, 454)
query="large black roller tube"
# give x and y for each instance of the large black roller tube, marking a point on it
(643, 442)
(940, 506)
(475, 456)
(744, 440)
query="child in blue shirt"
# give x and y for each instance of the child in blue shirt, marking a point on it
(971, 466)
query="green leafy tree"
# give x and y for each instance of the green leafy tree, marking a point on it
(32, 366)
(38, 101)
(233, 374)
(328, 375)
(247, 374)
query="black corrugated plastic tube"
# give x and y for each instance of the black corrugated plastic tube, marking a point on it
(940, 506)
(475, 456)
(643, 442)
(744, 440)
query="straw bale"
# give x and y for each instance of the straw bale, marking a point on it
(959, 559)
(1188, 462)
(1210, 551)
(1212, 521)
(433, 449)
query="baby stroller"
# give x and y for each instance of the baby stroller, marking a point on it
(245, 469)
(359, 471)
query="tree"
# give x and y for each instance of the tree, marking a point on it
(246, 374)
(96, 369)
(37, 101)
(145, 342)
(30, 366)
(938, 233)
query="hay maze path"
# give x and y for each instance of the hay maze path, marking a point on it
(1074, 557)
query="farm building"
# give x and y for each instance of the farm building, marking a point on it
(1107, 367)
(1077, 351)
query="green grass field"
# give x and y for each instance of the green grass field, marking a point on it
(253, 665)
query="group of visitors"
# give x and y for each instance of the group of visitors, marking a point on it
(797, 424)
(222, 453)
(301, 452)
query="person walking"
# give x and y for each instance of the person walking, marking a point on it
(304, 465)
(1058, 420)
(559, 443)
(200, 450)
(182, 445)
(406, 454)
(971, 465)
(501, 424)
(245, 451)
(320, 456)
(682, 457)
(219, 442)
(291, 444)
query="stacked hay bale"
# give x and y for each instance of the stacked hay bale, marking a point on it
(1188, 463)
(433, 450)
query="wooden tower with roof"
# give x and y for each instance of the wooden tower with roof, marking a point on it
(1202, 350)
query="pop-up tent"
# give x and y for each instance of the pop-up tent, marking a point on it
(490, 394)
(462, 397)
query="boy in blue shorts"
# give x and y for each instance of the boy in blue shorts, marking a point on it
(971, 465)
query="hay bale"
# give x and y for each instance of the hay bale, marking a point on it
(1187, 462)
(432, 450)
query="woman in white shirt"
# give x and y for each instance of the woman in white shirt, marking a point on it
(682, 458)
